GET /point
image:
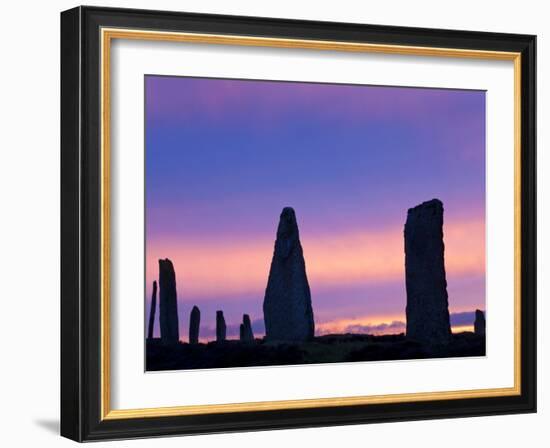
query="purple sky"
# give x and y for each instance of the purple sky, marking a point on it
(223, 157)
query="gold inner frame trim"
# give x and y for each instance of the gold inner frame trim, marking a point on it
(107, 35)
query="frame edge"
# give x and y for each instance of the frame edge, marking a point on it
(529, 223)
(71, 380)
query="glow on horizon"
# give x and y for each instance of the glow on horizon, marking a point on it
(462, 328)
(205, 269)
(372, 325)
(378, 325)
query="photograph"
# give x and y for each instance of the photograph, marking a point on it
(287, 221)
(292, 223)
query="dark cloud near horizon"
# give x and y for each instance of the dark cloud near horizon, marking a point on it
(393, 327)
(464, 318)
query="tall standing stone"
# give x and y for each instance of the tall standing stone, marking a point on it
(169, 327)
(246, 333)
(220, 327)
(479, 323)
(288, 314)
(194, 325)
(152, 312)
(427, 301)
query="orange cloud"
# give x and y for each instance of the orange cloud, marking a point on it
(363, 324)
(461, 328)
(210, 268)
(376, 325)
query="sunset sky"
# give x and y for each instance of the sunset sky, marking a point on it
(223, 157)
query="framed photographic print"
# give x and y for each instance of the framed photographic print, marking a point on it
(274, 224)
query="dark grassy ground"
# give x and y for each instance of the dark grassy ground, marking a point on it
(322, 349)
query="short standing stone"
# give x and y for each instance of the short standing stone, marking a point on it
(288, 313)
(152, 312)
(479, 323)
(241, 332)
(427, 301)
(169, 327)
(220, 327)
(246, 333)
(194, 325)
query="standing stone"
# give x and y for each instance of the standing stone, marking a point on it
(246, 333)
(427, 301)
(194, 325)
(479, 323)
(220, 327)
(169, 329)
(241, 332)
(152, 312)
(288, 314)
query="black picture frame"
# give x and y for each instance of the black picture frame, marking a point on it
(81, 224)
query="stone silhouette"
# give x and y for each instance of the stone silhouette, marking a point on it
(427, 300)
(479, 323)
(220, 327)
(241, 332)
(169, 327)
(194, 325)
(246, 333)
(152, 312)
(288, 314)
